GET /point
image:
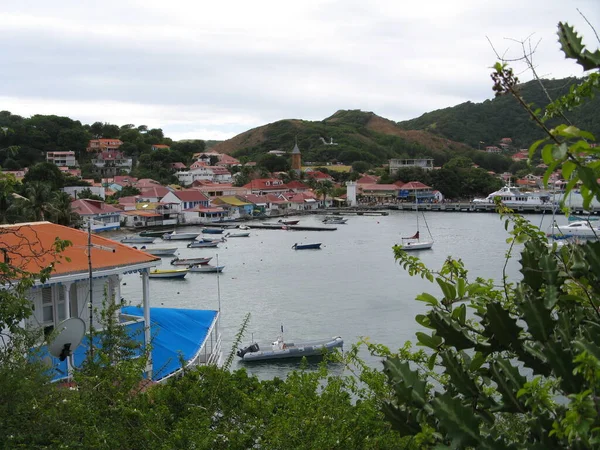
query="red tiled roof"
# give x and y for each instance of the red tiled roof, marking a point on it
(380, 187)
(367, 179)
(415, 185)
(146, 182)
(178, 165)
(318, 175)
(87, 207)
(261, 184)
(190, 195)
(295, 184)
(29, 247)
(155, 191)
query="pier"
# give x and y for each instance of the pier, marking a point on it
(288, 227)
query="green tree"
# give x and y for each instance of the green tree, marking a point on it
(45, 172)
(88, 194)
(60, 210)
(38, 195)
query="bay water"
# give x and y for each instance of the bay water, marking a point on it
(351, 287)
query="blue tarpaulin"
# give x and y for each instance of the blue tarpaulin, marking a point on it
(174, 332)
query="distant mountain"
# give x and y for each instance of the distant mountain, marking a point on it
(503, 117)
(346, 136)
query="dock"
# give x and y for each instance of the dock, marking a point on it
(289, 227)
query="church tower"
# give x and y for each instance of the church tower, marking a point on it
(296, 159)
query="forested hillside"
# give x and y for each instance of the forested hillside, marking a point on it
(492, 120)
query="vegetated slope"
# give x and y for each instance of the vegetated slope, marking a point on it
(492, 120)
(346, 136)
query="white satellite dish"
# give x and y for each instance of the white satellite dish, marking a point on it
(69, 334)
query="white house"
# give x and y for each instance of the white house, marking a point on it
(67, 294)
(103, 217)
(186, 199)
(66, 159)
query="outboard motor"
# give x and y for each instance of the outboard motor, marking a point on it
(250, 349)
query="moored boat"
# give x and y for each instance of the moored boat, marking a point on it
(189, 261)
(155, 233)
(137, 240)
(203, 244)
(288, 222)
(288, 350)
(168, 273)
(315, 246)
(180, 236)
(206, 268)
(238, 234)
(335, 220)
(578, 229)
(214, 239)
(159, 251)
(212, 230)
(512, 196)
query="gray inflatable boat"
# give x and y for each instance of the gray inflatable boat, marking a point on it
(287, 350)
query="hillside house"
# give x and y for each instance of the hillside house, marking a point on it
(66, 159)
(319, 176)
(103, 217)
(104, 145)
(397, 164)
(186, 199)
(110, 162)
(263, 186)
(160, 147)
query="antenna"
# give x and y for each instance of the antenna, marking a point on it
(70, 332)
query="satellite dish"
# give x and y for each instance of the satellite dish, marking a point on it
(69, 334)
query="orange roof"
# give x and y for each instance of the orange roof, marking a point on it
(30, 248)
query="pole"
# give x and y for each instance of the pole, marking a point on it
(218, 285)
(89, 249)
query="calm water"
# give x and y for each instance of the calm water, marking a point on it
(352, 287)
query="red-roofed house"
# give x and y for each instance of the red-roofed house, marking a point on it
(302, 201)
(211, 189)
(227, 161)
(367, 179)
(72, 286)
(160, 147)
(128, 203)
(319, 176)
(415, 190)
(144, 183)
(125, 180)
(186, 199)
(109, 162)
(104, 145)
(178, 166)
(379, 193)
(103, 217)
(266, 185)
(298, 186)
(153, 194)
(521, 155)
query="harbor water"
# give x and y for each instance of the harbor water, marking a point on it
(351, 287)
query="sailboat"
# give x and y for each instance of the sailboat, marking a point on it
(414, 242)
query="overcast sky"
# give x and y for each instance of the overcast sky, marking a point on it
(211, 70)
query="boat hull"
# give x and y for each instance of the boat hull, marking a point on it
(189, 261)
(307, 246)
(212, 230)
(176, 273)
(578, 229)
(206, 269)
(296, 351)
(417, 246)
(234, 235)
(160, 251)
(180, 236)
(138, 240)
(155, 233)
(198, 244)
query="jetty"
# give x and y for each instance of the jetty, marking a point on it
(288, 227)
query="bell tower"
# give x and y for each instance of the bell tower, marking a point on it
(296, 159)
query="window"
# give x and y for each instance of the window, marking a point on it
(47, 305)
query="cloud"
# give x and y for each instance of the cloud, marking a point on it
(220, 68)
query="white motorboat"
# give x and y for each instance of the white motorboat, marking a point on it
(206, 268)
(335, 220)
(179, 236)
(159, 251)
(238, 234)
(288, 350)
(578, 229)
(203, 244)
(512, 196)
(170, 273)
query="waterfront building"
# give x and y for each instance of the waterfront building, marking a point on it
(397, 164)
(102, 217)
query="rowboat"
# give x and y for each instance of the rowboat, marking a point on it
(335, 220)
(306, 246)
(206, 268)
(288, 222)
(137, 240)
(168, 273)
(238, 234)
(214, 239)
(203, 244)
(288, 350)
(189, 261)
(179, 236)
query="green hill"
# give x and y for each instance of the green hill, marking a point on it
(346, 136)
(492, 120)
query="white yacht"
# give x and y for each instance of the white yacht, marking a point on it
(512, 196)
(579, 229)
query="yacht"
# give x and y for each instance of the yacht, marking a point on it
(579, 229)
(512, 196)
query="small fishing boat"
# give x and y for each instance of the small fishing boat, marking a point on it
(179, 236)
(203, 244)
(137, 240)
(214, 239)
(238, 234)
(168, 273)
(244, 227)
(159, 251)
(212, 230)
(306, 246)
(206, 268)
(189, 261)
(335, 220)
(288, 350)
(155, 233)
(288, 222)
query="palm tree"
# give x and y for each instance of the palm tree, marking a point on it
(324, 189)
(60, 211)
(38, 195)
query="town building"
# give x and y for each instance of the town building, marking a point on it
(104, 145)
(186, 199)
(102, 217)
(66, 159)
(296, 159)
(422, 163)
(109, 163)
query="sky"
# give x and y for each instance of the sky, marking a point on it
(212, 70)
